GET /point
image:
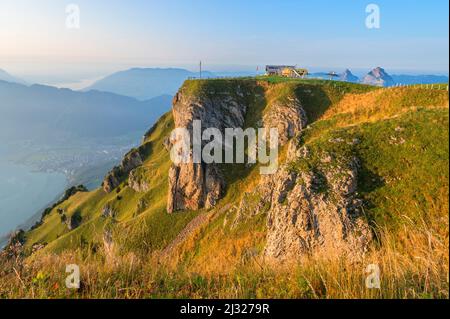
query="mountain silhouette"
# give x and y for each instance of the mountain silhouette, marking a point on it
(145, 83)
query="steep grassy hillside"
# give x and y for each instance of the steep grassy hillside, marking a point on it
(141, 214)
(400, 136)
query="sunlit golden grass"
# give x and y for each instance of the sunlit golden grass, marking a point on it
(414, 264)
(384, 103)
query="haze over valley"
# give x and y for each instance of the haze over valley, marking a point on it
(50, 135)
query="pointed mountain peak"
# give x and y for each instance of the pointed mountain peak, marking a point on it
(378, 77)
(348, 76)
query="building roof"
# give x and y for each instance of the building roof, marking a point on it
(279, 66)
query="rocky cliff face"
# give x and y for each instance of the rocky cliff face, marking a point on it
(200, 185)
(316, 211)
(137, 179)
(118, 174)
(311, 210)
(287, 116)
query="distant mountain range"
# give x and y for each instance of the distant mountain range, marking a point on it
(47, 113)
(380, 77)
(145, 83)
(5, 76)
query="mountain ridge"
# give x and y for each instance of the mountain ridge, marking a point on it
(145, 83)
(18, 98)
(344, 155)
(392, 79)
(5, 76)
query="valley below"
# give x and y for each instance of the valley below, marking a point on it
(35, 176)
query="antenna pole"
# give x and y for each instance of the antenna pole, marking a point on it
(200, 69)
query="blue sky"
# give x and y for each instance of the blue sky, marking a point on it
(224, 34)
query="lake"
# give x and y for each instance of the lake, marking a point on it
(24, 192)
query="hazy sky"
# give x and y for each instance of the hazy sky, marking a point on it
(225, 34)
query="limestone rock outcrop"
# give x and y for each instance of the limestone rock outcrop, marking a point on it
(198, 185)
(194, 186)
(306, 219)
(137, 179)
(288, 117)
(108, 211)
(201, 185)
(74, 221)
(310, 210)
(119, 173)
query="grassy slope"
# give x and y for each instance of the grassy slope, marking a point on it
(161, 226)
(405, 185)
